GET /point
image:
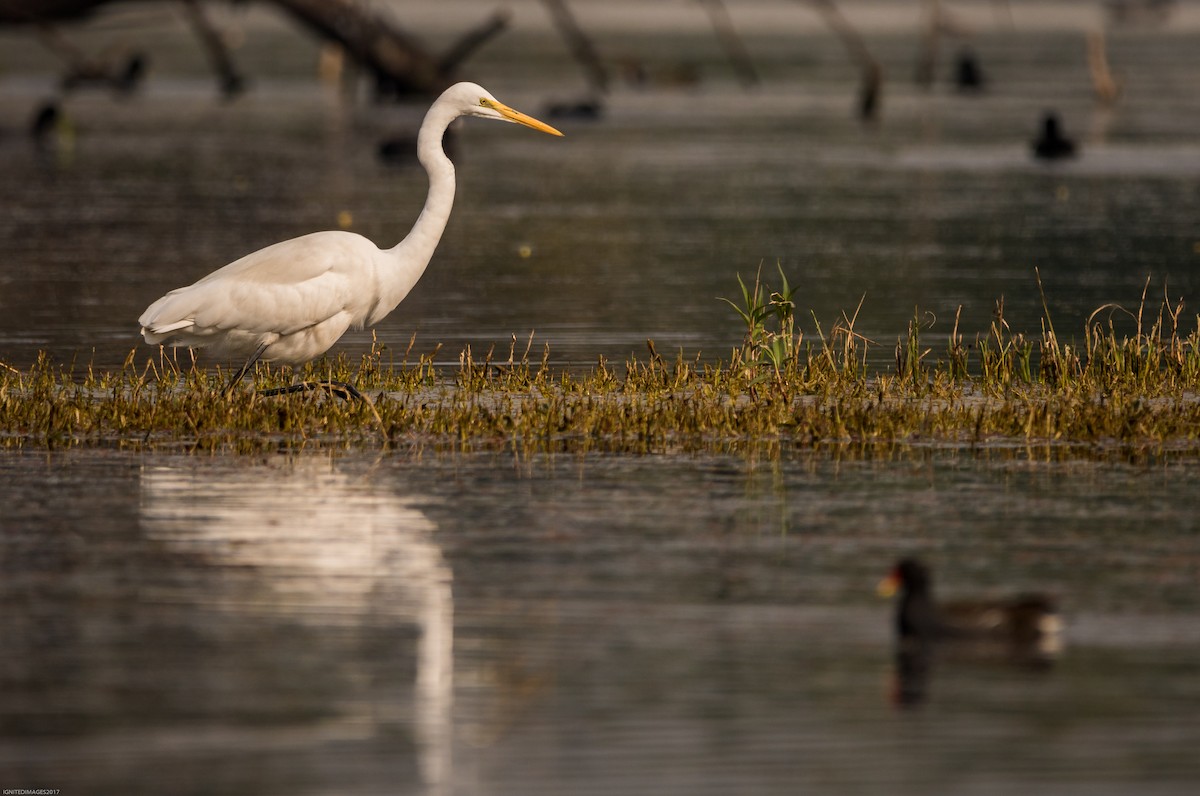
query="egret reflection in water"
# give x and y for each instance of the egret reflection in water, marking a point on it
(336, 576)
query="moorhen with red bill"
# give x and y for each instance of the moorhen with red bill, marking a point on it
(1025, 627)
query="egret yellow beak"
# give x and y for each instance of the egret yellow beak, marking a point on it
(888, 586)
(519, 118)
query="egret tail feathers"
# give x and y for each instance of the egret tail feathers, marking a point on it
(158, 333)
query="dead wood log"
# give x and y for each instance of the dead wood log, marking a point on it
(579, 44)
(231, 81)
(731, 42)
(400, 63)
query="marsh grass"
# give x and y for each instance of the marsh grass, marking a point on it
(1116, 388)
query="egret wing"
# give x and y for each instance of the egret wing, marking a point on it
(281, 289)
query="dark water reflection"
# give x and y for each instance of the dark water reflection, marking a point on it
(491, 624)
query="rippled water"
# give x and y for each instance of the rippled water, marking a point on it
(496, 624)
(493, 624)
(633, 225)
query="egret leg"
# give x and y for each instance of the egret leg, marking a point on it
(339, 388)
(237, 377)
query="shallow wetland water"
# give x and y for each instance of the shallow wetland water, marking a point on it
(584, 624)
(432, 621)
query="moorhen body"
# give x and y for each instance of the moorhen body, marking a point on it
(1025, 627)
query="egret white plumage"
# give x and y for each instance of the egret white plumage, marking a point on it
(291, 301)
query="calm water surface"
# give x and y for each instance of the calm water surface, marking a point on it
(498, 624)
(557, 624)
(631, 227)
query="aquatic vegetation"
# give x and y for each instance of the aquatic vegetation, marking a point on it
(777, 388)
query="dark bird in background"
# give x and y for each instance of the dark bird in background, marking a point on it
(44, 121)
(1052, 144)
(968, 74)
(582, 110)
(401, 150)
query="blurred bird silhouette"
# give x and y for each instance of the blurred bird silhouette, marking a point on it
(1024, 629)
(1052, 144)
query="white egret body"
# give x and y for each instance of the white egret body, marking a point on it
(291, 301)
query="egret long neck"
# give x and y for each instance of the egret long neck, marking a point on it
(409, 257)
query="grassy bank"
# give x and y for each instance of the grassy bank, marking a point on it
(1135, 389)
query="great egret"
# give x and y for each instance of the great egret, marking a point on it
(291, 301)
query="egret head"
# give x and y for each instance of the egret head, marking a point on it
(474, 100)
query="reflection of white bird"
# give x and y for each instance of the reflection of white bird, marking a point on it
(316, 545)
(291, 301)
